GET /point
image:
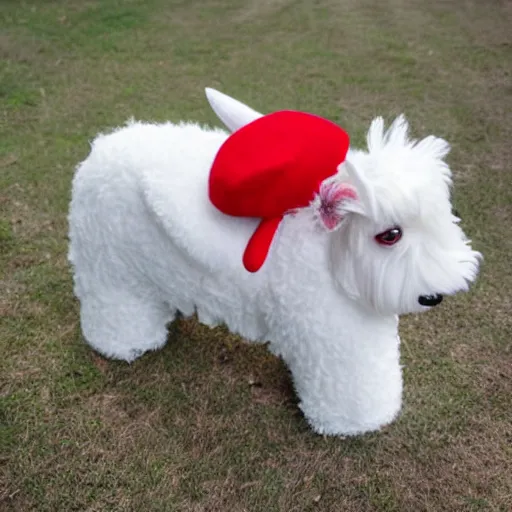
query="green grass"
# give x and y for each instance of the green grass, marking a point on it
(186, 428)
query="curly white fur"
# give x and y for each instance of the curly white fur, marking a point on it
(145, 242)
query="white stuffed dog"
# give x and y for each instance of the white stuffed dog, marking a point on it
(376, 238)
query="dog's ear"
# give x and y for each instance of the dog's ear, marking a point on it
(347, 192)
(367, 204)
(333, 201)
(233, 113)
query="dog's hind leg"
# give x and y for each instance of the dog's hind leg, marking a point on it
(122, 326)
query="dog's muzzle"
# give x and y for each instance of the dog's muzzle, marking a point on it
(430, 300)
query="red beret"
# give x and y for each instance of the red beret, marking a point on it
(271, 166)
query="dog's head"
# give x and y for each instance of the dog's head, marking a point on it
(396, 245)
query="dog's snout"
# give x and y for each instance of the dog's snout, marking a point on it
(430, 300)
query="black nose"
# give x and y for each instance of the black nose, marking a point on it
(430, 300)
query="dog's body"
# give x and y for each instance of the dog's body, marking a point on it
(145, 243)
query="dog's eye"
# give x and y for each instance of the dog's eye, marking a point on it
(389, 237)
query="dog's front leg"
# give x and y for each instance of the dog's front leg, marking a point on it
(345, 386)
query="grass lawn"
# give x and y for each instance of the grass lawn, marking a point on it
(210, 423)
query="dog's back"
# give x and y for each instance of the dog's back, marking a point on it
(158, 173)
